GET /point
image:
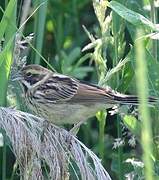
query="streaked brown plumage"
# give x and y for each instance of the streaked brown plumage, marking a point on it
(62, 99)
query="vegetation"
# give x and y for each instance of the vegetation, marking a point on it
(111, 43)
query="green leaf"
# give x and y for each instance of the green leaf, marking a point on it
(81, 72)
(153, 73)
(83, 59)
(39, 28)
(133, 124)
(5, 50)
(128, 72)
(7, 16)
(132, 16)
(74, 54)
(7, 27)
(69, 60)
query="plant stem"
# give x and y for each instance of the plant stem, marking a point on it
(102, 123)
(120, 150)
(39, 29)
(142, 87)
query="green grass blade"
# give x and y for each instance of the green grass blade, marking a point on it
(142, 87)
(101, 116)
(5, 50)
(39, 29)
(7, 16)
(6, 29)
(6, 54)
(133, 124)
(132, 16)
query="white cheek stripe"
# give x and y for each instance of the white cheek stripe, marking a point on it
(27, 84)
(41, 81)
(36, 84)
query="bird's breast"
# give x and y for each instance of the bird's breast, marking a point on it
(67, 113)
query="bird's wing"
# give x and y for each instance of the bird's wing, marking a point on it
(89, 93)
(56, 88)
(61, 88)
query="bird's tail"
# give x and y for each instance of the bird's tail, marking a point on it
(119, 98)
(133, 100)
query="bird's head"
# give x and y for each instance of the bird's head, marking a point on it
(31, 74)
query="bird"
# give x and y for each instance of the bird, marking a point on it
(62, 99)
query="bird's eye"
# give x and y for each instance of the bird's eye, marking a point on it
(28, 74)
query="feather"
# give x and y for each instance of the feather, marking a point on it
(57, 88)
